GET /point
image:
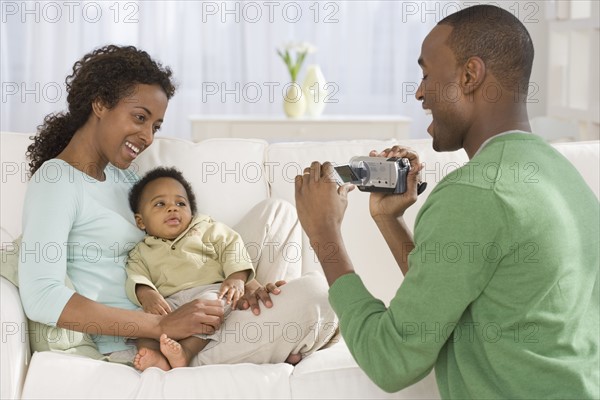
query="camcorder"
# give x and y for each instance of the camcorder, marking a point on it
(377, 174)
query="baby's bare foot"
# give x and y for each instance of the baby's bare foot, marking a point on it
(146, 358)
(173, 351)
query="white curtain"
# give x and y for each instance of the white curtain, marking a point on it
(221, 53)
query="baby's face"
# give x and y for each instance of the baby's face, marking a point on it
(164, 209)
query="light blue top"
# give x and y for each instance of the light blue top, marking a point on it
(78, 226)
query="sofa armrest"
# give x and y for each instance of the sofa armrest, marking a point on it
(14, 347)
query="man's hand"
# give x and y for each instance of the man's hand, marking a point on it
(320, 202)
(394, 205)
(321, 205)
(256, 293)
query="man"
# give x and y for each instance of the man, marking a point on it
(514, 313)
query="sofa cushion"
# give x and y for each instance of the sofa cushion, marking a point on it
(585, 156)
(15, 345)
(211, 166)
(44, 337)
(322, 374)
(227, 175)
(89, 379)
(285, 160)
(9, 261)
(14, 183)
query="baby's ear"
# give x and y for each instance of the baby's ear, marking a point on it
(139, 221)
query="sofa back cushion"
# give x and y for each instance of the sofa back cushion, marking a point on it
(227, 175)
(15, 175)
(585, 156)
(370, 255)
(367, 249)
(230, 176)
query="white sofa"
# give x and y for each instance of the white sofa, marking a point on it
(229, 177)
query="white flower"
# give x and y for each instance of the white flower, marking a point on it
(305, 47)
(301, 49)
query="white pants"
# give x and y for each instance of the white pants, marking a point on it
(273, 237)
(301, 320)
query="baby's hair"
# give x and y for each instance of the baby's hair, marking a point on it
(161, 172)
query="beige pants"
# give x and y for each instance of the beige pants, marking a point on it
(273, 237)
(301, 320)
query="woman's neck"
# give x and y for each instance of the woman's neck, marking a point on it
(83, 155)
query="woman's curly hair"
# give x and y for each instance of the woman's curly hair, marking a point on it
(107, 74)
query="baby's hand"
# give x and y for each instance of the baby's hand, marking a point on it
(153, 303)
(232, 289)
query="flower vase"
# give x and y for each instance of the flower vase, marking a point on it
(294, 101)
(314, 91)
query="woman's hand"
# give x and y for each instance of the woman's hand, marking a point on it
(197, 316)
(394, 205)
(255, 292)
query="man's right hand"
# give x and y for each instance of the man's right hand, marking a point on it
(394, 205)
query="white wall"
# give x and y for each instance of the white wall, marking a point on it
(533, 15)
(370, 53)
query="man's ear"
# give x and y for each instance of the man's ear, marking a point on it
(473, 74)
(139, 221)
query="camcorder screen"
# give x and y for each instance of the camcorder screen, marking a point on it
(346, 173)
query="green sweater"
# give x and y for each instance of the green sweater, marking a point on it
(502, 292)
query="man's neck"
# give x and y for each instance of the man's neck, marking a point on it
(493, 137)
(496, 119)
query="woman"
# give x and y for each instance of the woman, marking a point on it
(78, 223)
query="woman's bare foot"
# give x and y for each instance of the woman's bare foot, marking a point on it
(174, 352)
(146, 358)
(294, 359)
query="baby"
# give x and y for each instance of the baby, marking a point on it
(184, 256)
